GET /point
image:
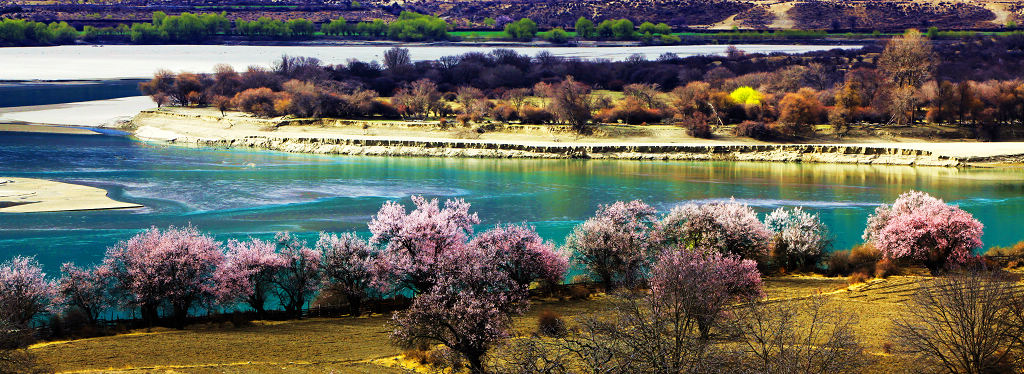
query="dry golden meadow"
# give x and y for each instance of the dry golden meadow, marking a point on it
(360, 345)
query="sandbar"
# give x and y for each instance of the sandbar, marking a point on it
(29, 195)
(96, 113)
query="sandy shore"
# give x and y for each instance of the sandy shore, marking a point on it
(98, 113)
(207, 127)
(16, 127)
(28, 195)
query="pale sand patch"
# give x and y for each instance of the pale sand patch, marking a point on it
(97, 113)
(17, 127)
(27, 195)
(782, 20)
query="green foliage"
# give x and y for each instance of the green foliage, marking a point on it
(374, 29)
(650, 28)
(264, 27)
(415, 26)
(619, 29)
(61, 33)
(933, 32)
(556, 35)
(490, 22)
(523, 29)
(23, 32)
(300, 27)
(187, 27)
(746, 95)
(336, 27)
(670, 39)
(146, 33)
(585, 28)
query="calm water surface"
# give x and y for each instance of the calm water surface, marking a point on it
(140, 61)
(237, 194)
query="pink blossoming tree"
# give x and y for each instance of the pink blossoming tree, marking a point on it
(248, 272)
(348, 261)
(698, 284)
(615, 244)
(920, 227)
(24, 291)
(412, 244)
(799, 238)
(522, 254)
(175, 266)
(87, 289)
(726, 227)
(468, 309)
(300, 277)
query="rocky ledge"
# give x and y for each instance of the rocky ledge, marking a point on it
(469, 148)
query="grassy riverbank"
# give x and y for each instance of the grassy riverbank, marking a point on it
(360, 345)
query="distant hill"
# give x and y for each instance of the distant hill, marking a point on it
(884, 15)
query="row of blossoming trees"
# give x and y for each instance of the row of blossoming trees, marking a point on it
(467, 286)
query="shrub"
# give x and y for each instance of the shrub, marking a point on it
(885, 268)
(534, 115)
(838, 263)
(631, 111)
(887, 348)
(746, 96)
(756, 130)
(504, 113)
(463, 119)
(579, 292)
(259, 101)
(798, 112)
(856, 278)
(697, 126)
(1011, 257)
(865, 253)
(523, 29)
(420, 356)
(550, 324)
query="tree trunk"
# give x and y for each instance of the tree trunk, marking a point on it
(149, 314)
(354, 304)
(476, 365)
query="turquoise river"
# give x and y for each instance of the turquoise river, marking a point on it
(238, 193)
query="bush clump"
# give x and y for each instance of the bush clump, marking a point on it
(756, 130)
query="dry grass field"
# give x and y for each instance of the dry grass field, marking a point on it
(360, 345)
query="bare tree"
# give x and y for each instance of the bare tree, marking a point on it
(419, 98)
(397, 59)
(803, 336)
(639, 334)
(570, 102)
(908, 59)
(645, 93)
(517, 96)
(963, 323)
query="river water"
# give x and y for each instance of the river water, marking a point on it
(237, 194)
(71, 62)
